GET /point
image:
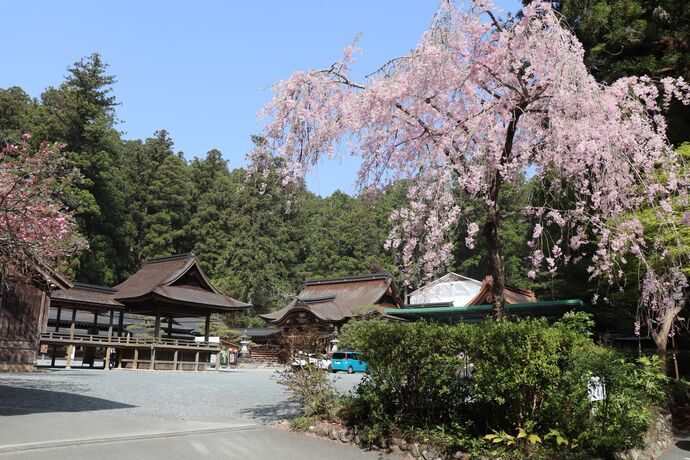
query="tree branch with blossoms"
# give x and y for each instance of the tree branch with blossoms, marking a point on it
(35, 227)
(476, 105)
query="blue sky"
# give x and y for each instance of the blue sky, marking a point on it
(203, 70)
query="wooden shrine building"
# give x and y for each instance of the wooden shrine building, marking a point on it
(324, 305)
(24, 306)
(329, 303)
(99, 320)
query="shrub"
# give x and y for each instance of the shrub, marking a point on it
(302, 423)
(308, 385)
(467, 381)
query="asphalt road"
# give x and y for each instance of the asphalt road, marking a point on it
(680, 449)
(124, 414)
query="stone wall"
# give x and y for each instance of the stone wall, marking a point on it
(658, 438)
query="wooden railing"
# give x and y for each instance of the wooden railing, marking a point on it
(161, 365)
(84, 339)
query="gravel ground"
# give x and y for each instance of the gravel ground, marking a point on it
(235, 395)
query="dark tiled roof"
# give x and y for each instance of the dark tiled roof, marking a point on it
(86, 294)
(192, 295)
(158, 276)
(154, 272)
(176, 279)
(334, 300)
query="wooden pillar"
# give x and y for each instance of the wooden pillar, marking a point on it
(106, 360)
(207, 326)
(120, 323)
(57, 328)
(170, 322)
(110, 325)
(157, 327)
(94, 331)
(153, 358)
(68, 357)
(72, 324)
(57, 321)
(196, 361)
(136, 358)
(175, 360)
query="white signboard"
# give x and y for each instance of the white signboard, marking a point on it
(210, 339)
(595, 389)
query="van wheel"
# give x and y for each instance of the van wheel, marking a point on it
(350, 370)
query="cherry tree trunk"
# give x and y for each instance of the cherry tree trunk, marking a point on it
(660, 334)
(496, 267)
(493, 218)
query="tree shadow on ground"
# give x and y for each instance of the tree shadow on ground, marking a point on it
(271, 413)
(21, 401)
(683, 445)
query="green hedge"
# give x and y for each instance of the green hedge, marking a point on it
(502, 379)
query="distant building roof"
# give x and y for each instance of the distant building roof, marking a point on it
(335, 300)
(453, 289)
(258, 332)
(459, 291)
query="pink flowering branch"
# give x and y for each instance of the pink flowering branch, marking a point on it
(475, 105)
(35, 226)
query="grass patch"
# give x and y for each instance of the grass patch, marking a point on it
(302, 423)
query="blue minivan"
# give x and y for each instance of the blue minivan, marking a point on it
(348, 361)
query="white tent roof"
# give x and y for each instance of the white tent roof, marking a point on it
(451, 288)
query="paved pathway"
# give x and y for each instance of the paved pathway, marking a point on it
(680, 449)
(123, 414)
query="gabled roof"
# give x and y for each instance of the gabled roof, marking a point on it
(161, 271)
(173, 283)
(177, 279)
(335, 300)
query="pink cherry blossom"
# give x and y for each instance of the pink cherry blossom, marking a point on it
(35, 227)
(479, 101)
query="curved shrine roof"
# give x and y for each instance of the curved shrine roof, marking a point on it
(170, 280)
(334, 300)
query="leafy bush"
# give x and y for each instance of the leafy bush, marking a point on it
(302, 423)
(508, 378)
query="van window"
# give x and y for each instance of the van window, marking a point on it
(338, 355)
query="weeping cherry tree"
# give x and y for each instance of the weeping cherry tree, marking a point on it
(480, 102)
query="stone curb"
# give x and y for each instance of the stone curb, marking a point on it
(137, 437)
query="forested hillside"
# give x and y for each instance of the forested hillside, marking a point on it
(140, 198)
